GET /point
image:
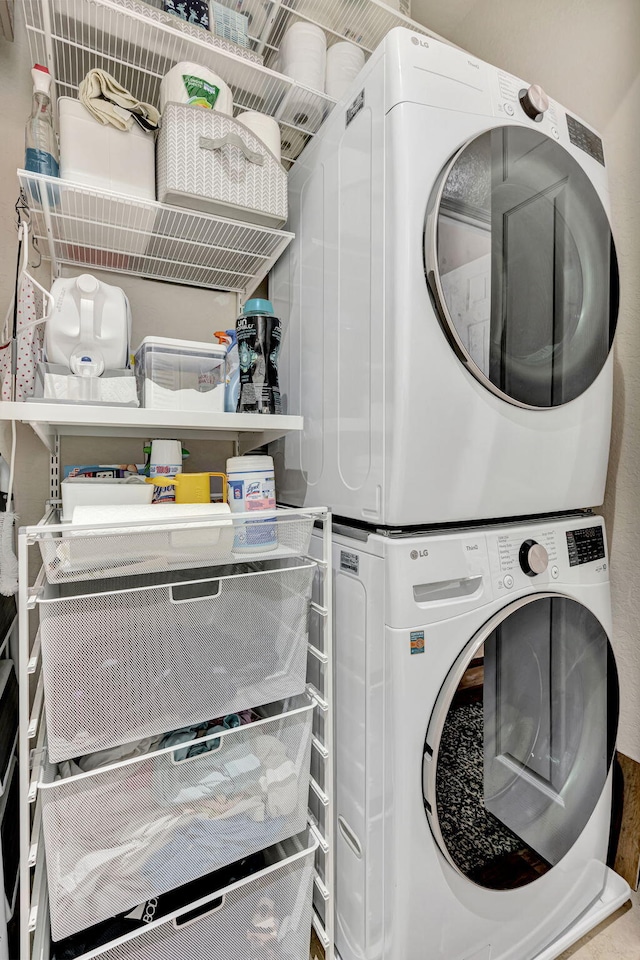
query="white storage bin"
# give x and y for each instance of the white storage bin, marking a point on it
(89, 491)
(102, 156)
(180, 374)
(124, 664)
(265, 916)
(72, 555)
(123, 834)
(210, 162)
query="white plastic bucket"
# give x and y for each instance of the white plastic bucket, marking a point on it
(252, 488)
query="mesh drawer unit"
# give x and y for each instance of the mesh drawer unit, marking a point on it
(122, 834)
(71, 556)
(124, 663)
(208, 161)
(266, 916)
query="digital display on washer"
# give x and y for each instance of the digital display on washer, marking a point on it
(585, 545)
(586, 139)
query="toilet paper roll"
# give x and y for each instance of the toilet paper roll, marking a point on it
(192, 83)
(265, 128)
(344, 63)
(303, 54)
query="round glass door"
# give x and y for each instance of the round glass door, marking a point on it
(521, 740)
(521, 265)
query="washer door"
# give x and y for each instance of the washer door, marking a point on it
(520, 741)
(521, 266)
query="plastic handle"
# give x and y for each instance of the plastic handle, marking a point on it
(349, 837)
(195, 915)
(455, 589)
(235, 140)
(205, 596)
(225, 484)
(214, 748)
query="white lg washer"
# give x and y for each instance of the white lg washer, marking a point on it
(477, 706)
(450, 298)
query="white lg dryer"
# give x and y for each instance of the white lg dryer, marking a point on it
(450, 298)
(477, 707)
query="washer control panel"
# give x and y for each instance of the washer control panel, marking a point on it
(561, 551)
(585, 545)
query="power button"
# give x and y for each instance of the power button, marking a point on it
(508, 109)
(555, 573)
(508, 581)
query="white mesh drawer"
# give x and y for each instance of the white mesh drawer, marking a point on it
(70, 554)
(123, 665)
(120, 835)
(265, 917)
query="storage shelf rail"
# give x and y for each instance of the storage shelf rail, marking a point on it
(53, 420)
(268, 617)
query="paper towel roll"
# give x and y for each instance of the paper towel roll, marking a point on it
(265, 128)
(190, 82)
(303, 54)
(344, 62)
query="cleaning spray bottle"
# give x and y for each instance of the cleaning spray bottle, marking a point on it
(232, 376)
(42, 154)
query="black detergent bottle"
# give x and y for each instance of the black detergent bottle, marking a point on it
(258, 332)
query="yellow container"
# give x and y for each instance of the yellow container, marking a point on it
(191, 487)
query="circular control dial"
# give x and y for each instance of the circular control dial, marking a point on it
(534, 101)
(533, 557)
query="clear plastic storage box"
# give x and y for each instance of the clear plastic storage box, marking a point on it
(180, 374)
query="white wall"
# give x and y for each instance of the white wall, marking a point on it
(586, 54)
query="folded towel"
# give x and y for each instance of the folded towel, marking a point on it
(109, 102)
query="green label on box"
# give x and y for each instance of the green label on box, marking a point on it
(200, 93)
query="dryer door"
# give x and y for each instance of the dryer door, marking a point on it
(521, 266)
(521, 740)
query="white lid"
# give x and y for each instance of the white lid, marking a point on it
(41, 78)
(250, 463)
(168, 343)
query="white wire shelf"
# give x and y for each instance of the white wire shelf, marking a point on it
(49, 420)
(83, 226)
(139, 43)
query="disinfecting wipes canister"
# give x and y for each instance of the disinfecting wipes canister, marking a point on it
(251, 489)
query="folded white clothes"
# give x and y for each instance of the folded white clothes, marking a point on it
(109, 102)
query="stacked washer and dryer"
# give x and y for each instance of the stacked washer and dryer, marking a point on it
(450, 303)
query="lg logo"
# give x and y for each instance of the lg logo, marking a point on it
(416, 554)
(418, 42)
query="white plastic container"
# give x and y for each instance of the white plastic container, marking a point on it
(252, 487)
(102, 156)
(181, 374)
(108, 491)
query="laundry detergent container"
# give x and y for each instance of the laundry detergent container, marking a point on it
(208, 161)
(132, 658)
(122, 834)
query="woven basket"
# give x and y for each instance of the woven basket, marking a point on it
(208, 161)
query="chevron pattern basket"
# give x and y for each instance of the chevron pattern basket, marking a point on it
(208, 161)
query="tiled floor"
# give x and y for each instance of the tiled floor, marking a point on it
(618, 938)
